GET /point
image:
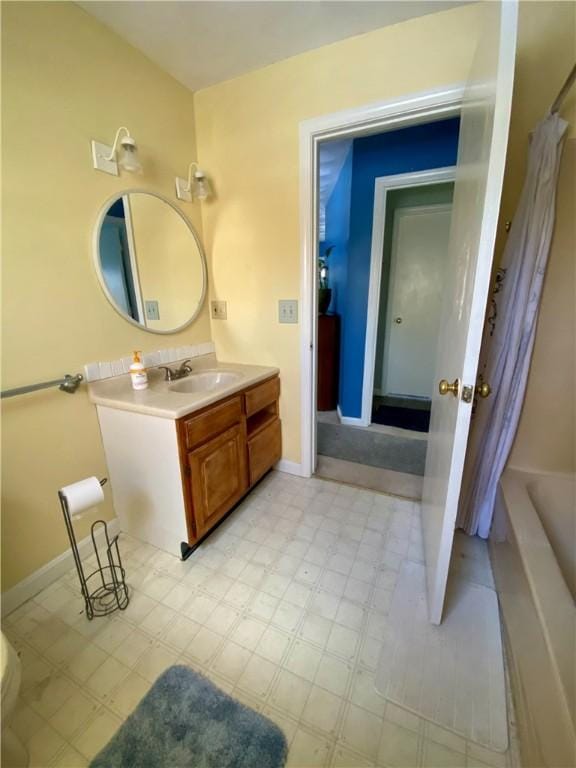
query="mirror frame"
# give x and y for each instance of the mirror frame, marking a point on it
(100, 276)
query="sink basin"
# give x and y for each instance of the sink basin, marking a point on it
(205, 381)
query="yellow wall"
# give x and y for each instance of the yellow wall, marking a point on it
(247, 133)
(546, 47)
(545, 56)
(169, 261)
(67, 79)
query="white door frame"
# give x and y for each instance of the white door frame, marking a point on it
(437, 104)
(133, 260)
(382, 186)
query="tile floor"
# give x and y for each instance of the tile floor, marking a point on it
(282, 607)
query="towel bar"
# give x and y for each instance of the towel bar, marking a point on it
(68, 384)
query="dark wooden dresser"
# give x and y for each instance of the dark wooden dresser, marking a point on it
(328, 361)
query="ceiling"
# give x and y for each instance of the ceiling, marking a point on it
(202, 43)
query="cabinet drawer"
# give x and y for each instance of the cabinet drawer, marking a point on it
(262, 395)
(213, 422)
(264, 450)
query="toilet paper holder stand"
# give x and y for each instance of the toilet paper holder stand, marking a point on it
(104, 589)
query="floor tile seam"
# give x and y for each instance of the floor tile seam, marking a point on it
(210, 667)
(163, 639)
(60, 753)
(340, 738)
(82, 727)
(346, 696)
(271, 686)
(64, 672)
(311, 730)
(317, 684)
(89, 692)
(281, 713)
(44, 722)
(331, 735)
(77, 732)
(61, 672)
(103, 709)
(362, 755)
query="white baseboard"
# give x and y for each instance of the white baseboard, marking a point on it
(352, 421)
(49, 573)
(290, 467)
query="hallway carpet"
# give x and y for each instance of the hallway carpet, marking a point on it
(405, 418)
(376, 449)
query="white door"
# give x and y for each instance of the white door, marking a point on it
(477, 189)
(418, 257)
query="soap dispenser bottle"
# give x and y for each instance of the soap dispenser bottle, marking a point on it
(138, 373)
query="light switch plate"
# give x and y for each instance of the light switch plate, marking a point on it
(152, 310)
(181, 192)
(100, 153)
(288, 311)
(218, 310)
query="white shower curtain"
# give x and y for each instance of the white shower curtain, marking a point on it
(505, 357)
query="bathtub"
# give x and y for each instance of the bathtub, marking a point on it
(533, 553)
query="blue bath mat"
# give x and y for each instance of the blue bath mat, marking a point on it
(184, 721)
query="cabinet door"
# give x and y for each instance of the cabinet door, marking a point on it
(264, 450)
(218, 477)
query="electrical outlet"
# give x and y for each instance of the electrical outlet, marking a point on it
(288, 311)
(152, 310)
(219, 310)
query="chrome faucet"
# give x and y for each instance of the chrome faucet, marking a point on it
(178, 373)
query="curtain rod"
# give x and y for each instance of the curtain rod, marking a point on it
(563, 91)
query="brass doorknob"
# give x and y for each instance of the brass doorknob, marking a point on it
(483, 389)
(444, 387)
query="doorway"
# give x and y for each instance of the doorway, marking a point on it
(484, 104)
(414, 109)
(381, 240)
(413, 254)
(409, 315)
(118, 262)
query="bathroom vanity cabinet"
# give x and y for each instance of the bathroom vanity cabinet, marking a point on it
(225, 450)
(174, 479)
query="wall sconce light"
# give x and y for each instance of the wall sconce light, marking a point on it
(197, 187)
(123, 153)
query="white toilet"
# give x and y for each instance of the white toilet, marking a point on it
(14, 753)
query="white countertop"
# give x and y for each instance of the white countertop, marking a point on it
(160, 400)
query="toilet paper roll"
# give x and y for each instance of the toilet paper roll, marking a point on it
(83, 495)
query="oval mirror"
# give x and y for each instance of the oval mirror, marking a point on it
(150, 262)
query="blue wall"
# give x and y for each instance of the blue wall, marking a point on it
(111, 262)
(337, 234)
(411, 149)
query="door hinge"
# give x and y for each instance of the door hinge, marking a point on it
(187, 470)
